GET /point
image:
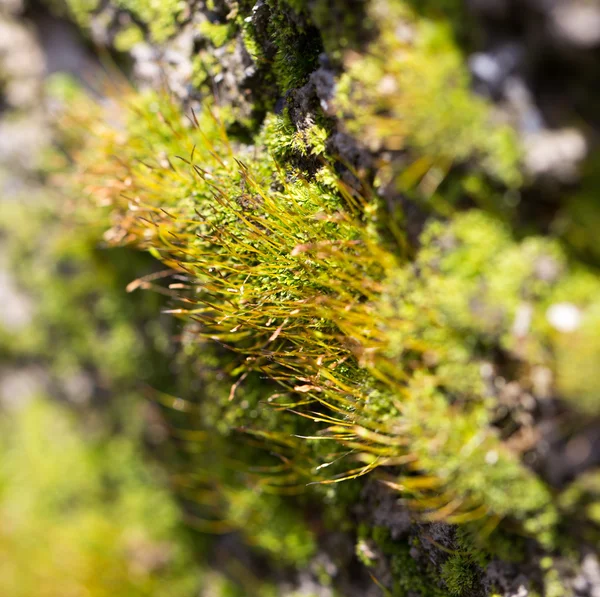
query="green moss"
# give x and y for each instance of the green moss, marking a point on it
(296, 49)
(127, 38)
(110, 525)
(160, 17)
(305, 262)
(78, 281)
(82, 9)
(377, 359)
(343, 25)
(579, 216)
(409, 576)
(581, 501)
(271, 525)
(577, 354)
(460, 575)
(285, 45)
(218, 34)
(285, 142)
(205, 67)
(85, 322)
(309, 325)
(413, 92)
(553, 586)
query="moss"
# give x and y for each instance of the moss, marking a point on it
(577, 354)
(286, 45)
(96, 281)
(409, 576)
(205, 67)
(82, 9)
(111, 523)
(348, 353)
(460, 575)
(580, 502)
(127, 38)
(271, 526)
(160, 18)
(217, 33)
(286, 143)
(86, 323)
(413, 92)
(488, 281)
(296, 49)
(579, 216)
(318, 346)
(450, 11)
(343, 25)
(553, 586)
(292, 243)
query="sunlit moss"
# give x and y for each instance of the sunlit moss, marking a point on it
(410, 90)
(85, 323)
(109, 525)
(160, 17)
(275, 263)
(311, 324)
(127, 38)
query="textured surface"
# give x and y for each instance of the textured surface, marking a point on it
(389, 214)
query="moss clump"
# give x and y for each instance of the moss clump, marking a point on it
(128, 38)
(281, 41)
(312, 324)
(410, 90)
(580, 502)
(409, 575)
(109, 343)
(460, 575)
(160, 18)
(217, 33)
(293, 278)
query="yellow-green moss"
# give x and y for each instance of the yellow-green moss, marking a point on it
(159, 16)
(109, 526)
(286, 263)
(86, 324)
(218, 34)
(127, 38)
(410, 90)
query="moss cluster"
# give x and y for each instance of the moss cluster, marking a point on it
(160, 19)
(316, 325)
(113, 520)
(410, 90)
(383, 354)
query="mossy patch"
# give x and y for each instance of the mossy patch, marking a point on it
(411, 90)
(109, 524)
(285, 253)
